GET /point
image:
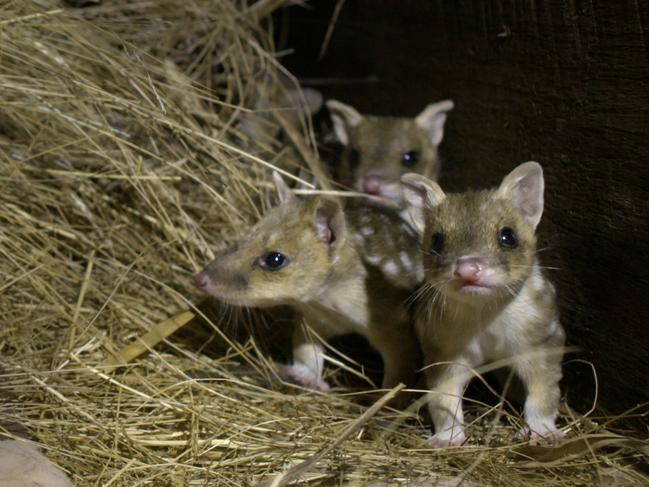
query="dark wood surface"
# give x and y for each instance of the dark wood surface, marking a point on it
(565, 83)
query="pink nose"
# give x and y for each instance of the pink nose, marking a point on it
(372, 185)
(201, 280)
(468, 270)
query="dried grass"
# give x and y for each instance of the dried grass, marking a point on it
(121, 166)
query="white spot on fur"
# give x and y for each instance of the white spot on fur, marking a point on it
(405, 260)
(367, 231)
(358, 239)
(419, 273)
(373, 259)
(391, 268)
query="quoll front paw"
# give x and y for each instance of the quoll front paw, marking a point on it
(302, 375)
(547, 436)
(446, 439)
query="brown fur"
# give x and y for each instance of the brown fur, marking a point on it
(285, 229)
(375, 146)
(381, 142)
(327, 279)
(509, 312)
(470, 223)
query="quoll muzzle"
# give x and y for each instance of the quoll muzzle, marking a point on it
(372, 185)
(468, 270)
(201, 280)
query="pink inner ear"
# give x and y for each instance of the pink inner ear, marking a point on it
(327, 225)
(326, 234)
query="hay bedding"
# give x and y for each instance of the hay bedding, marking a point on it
(121, 167)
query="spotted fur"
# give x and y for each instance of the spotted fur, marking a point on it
(507, 310)
(388, 243)
(335, 277)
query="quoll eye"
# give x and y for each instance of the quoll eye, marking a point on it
(354, 158)
(437, 244)
(273, 261)
(507, 238)
(410, 158)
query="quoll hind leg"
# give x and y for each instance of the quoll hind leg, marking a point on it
(541, 375)
(308, 362)
(400, 353)
(447, 384)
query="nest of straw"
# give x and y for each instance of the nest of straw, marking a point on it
(122, 167)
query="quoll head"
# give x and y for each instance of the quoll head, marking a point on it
(379, 150)
(284, 258)
(478, 245)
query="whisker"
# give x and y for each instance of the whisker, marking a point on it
(438, 298)
(535, 265)
(417, 294)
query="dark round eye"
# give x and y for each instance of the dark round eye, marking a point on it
(273, 261)
(437, 244)
(354, 158)
(410, 158)
(507, 238)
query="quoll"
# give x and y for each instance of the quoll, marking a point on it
(378, 150)
(487, 297)
(346, 272)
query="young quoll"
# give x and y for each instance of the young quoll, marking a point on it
(345, 273)
(488, 297)
(378, 150)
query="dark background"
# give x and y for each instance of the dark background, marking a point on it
(565, 83)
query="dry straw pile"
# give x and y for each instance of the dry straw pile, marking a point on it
(122, 165)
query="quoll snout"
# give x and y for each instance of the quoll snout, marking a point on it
(201, 280)
(372, 185)
(223, 278)
(468, 269)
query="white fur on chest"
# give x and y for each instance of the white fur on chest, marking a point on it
(487, 333)
(340, 308)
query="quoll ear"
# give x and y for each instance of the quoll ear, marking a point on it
(330, 228)
(313, 99)
(433, 118)
(421, 195)
(524, 188)
(306, 100)
(284, 193)
(343, 117)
